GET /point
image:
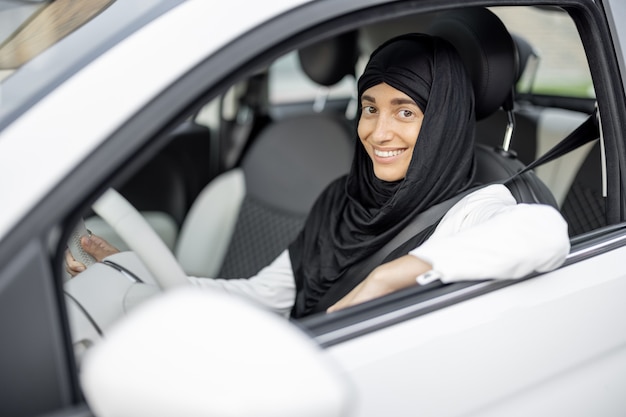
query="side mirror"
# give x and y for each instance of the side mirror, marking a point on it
(193, 352)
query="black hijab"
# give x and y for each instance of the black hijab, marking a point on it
(358, 213)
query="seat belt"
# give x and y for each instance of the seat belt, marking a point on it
(588, 131)
(583, 134)
(356, 273)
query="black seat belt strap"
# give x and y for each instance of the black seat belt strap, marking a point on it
(583, 134)
(356, 273)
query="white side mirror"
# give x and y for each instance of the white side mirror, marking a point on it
(192, 352)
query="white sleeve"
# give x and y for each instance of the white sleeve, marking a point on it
(488, 235)
(273, 287)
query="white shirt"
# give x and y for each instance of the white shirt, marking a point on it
(485, 235)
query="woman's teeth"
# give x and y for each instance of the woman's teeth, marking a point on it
(388, 154)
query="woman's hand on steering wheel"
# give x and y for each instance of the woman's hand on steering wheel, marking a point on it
(94, 246)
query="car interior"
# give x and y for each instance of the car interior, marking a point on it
(233, 186)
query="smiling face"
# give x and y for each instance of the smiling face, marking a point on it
(388, 128)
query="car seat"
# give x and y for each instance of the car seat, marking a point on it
(575, 179)
(247, 216)
(491, 57)
(489, 130)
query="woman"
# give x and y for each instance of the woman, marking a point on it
(416, 128)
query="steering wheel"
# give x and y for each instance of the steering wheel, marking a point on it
(133, 228)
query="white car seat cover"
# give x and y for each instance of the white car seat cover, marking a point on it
(208, 227)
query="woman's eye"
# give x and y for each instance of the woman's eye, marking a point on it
(406, 113)
(369, 109)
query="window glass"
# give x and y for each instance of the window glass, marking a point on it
(289, 84)
(560, 66)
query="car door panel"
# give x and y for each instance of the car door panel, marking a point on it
(520, 344)
(37, 374)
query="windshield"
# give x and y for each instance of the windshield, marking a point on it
(27, 28)
(42, 43)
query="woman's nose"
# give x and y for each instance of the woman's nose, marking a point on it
(382, 130)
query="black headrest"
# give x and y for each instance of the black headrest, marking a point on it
(487, 48)
(328, 61)
(524, 51)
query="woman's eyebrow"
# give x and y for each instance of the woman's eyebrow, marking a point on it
(394, 102)
(398, 101)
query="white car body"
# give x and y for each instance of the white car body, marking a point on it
(530, 349)
(549, 345)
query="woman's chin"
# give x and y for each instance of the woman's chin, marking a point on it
(388, 175)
